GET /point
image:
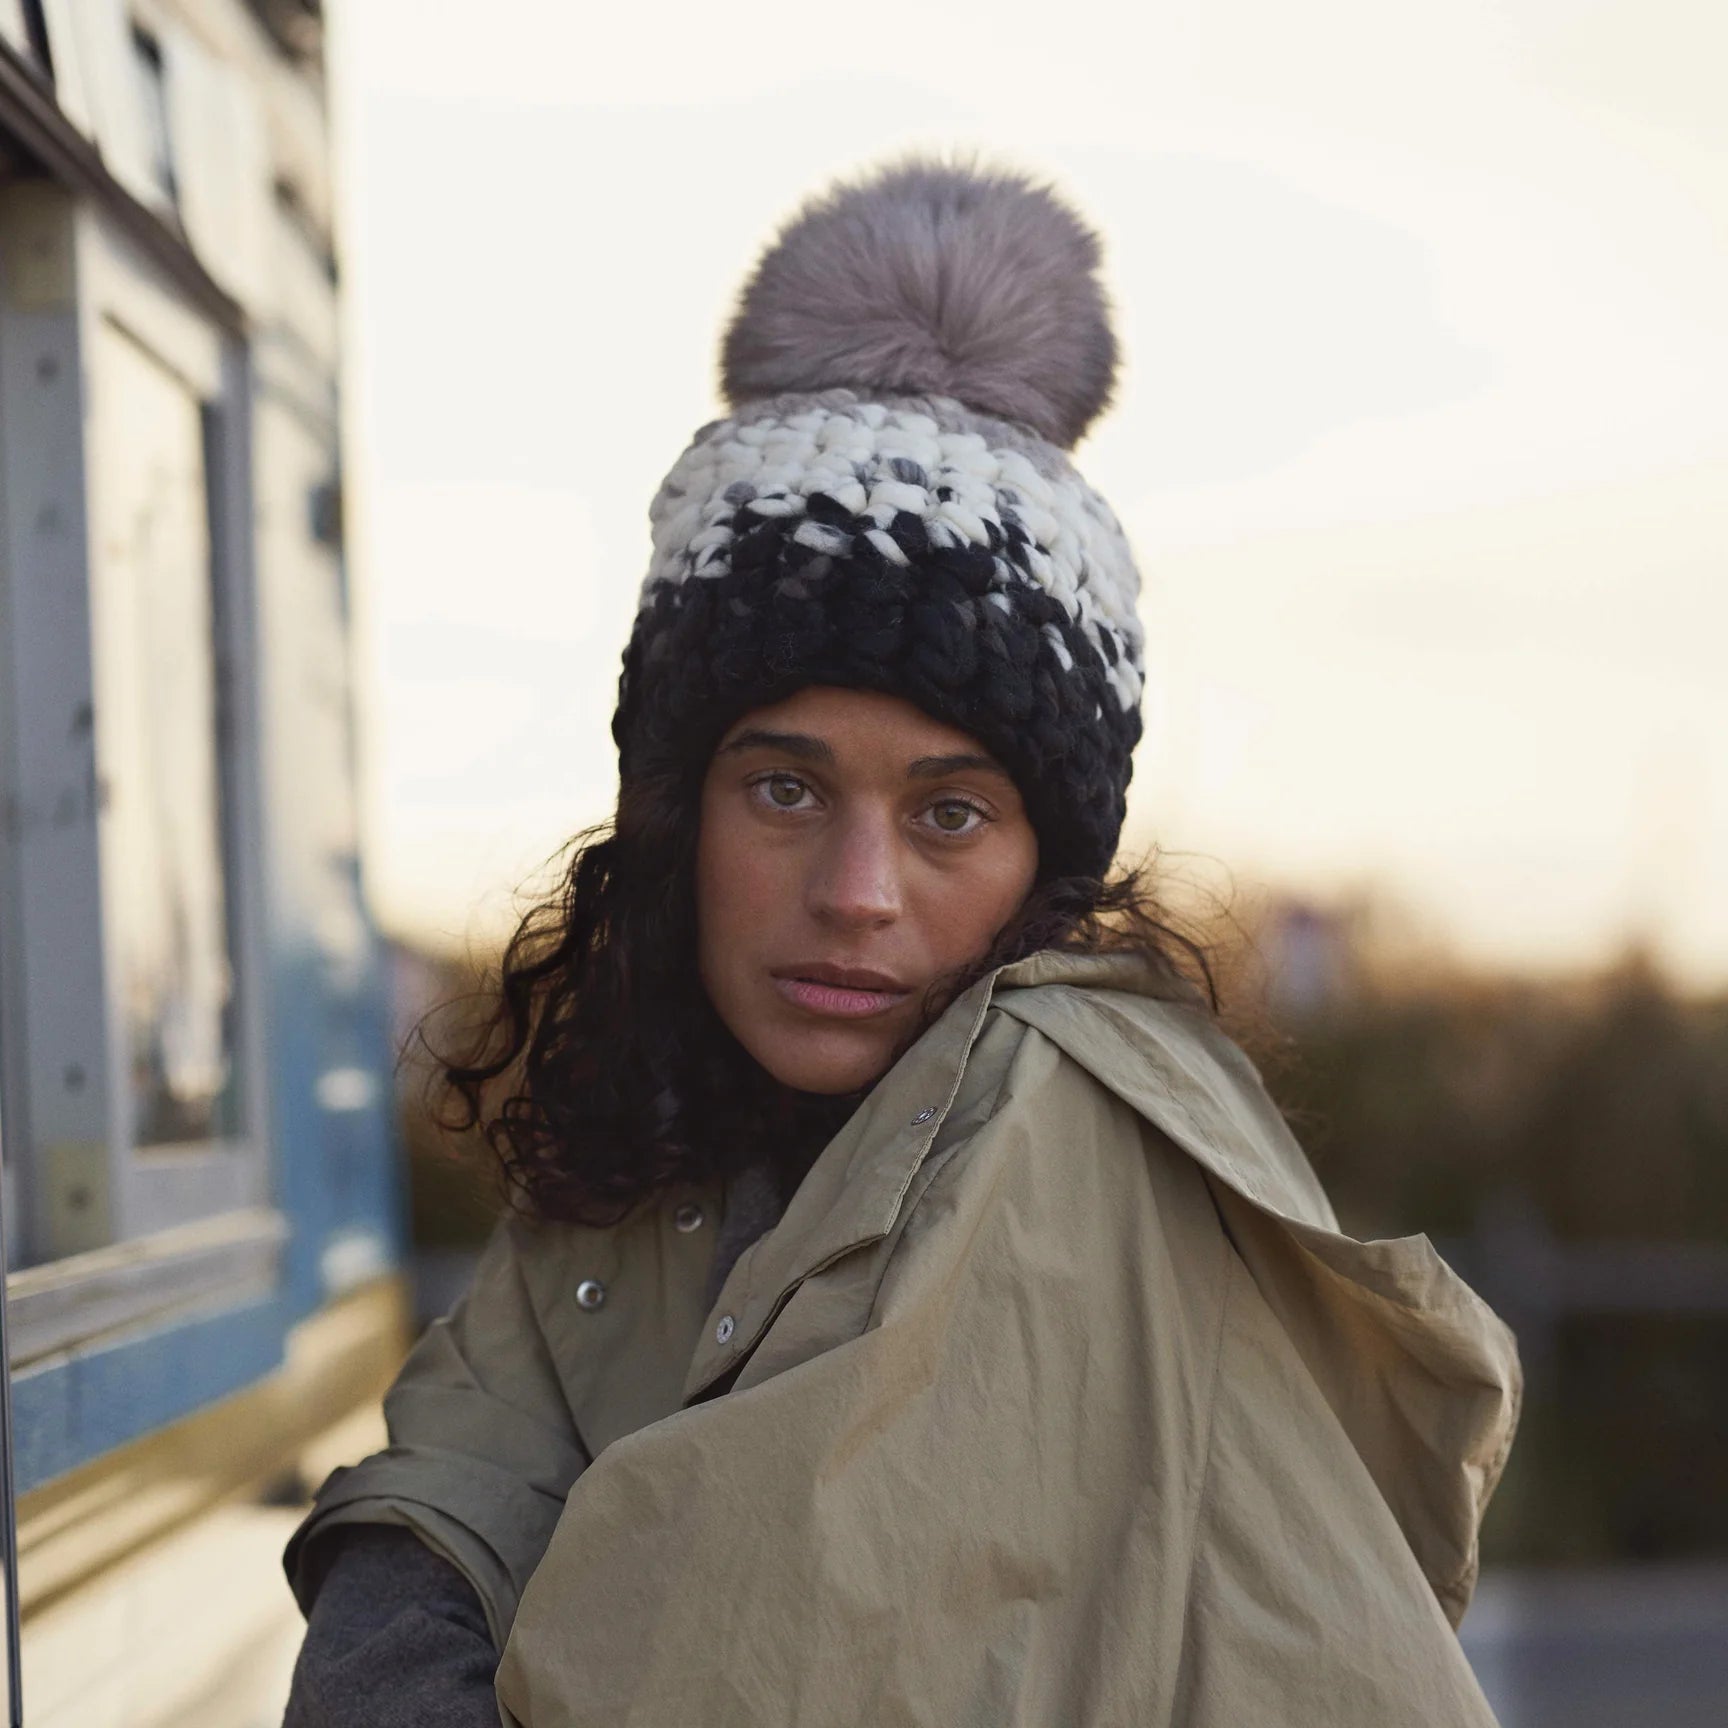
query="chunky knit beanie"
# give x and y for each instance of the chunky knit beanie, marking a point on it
(890, 506)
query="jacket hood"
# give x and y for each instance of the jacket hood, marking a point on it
(1419, 1371)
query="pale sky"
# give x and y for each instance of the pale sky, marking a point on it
(1421, 438)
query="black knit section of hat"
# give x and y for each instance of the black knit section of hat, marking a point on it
(785, 616)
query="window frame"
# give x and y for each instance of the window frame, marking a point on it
(182, 1247)
(166, 1187)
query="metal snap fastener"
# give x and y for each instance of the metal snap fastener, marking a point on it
(724, 1330)
(590, 1293)
(924, 1115)
(688, 1217)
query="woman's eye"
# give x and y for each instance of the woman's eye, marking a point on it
(955, 816)
(784, 790)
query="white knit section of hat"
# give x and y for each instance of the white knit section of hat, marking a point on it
(1078, 553)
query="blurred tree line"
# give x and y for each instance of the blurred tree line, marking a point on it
(1565, 1143)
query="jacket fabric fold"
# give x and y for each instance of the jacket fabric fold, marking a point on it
(1055, 1395)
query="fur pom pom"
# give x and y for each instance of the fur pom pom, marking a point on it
(932, 280)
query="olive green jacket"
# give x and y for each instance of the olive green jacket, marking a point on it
(1055, 1398)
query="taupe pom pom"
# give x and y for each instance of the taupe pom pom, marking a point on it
(932, 280)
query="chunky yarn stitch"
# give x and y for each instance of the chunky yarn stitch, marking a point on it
(857, 536)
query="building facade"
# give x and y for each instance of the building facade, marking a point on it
(202, 1217)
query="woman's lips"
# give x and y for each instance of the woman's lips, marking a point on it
(843, 1001)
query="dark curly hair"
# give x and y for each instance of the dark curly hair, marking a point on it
(598, 1073)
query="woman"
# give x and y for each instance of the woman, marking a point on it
(913, 1308)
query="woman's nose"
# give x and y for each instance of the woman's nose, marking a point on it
(854, 877)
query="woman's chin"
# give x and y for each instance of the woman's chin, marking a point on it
(826, 1061)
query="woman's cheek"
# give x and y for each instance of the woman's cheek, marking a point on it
(744, 897)
(962, 911)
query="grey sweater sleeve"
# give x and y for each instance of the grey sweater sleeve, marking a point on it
(396, 1638)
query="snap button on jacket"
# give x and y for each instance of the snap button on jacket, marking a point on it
(1056, 1397)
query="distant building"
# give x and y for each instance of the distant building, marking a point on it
(201, 1196)
(1308, 952)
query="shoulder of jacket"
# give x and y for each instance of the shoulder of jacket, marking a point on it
(1047, 1186)
(1024, 1096)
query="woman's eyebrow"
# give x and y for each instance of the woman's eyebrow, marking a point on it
(793, 743)
(933, 767)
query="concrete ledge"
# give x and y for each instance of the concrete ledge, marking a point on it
(339, 1361)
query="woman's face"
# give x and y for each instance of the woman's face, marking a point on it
(852, 849)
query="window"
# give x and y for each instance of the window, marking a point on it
(128, 993)
(160, 155)
(153, 623)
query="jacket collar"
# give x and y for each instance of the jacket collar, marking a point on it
(853, 1192)
(1174, 1066)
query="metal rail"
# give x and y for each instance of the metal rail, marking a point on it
(8, 1496)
